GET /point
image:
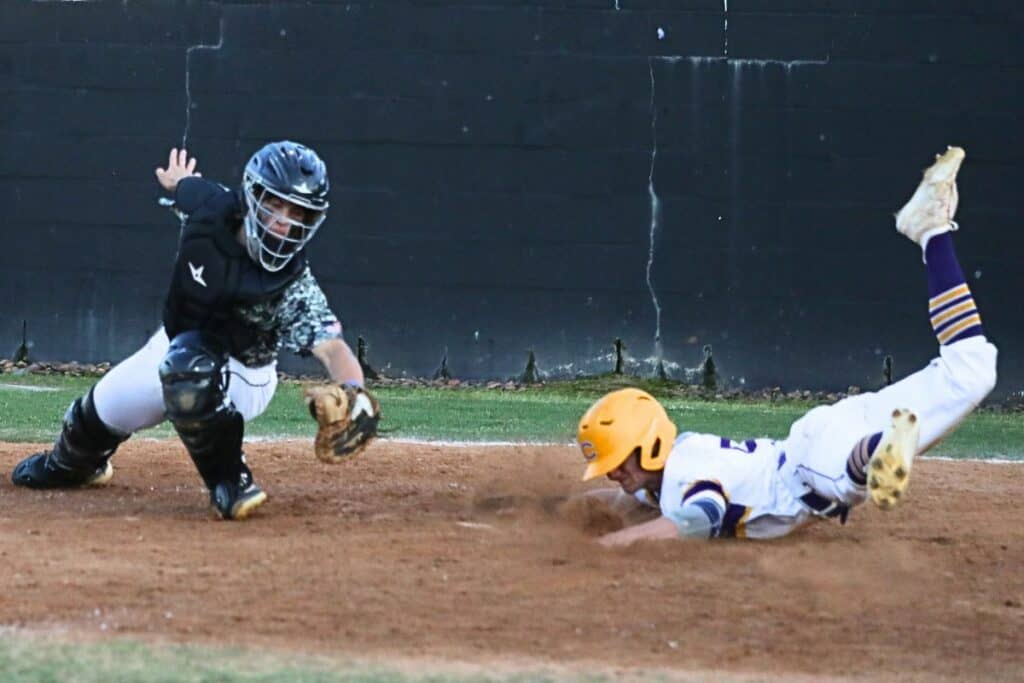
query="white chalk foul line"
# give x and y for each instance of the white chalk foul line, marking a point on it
(25, 387)
(420, 442)
(994, 461)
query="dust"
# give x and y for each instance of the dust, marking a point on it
(591, 515)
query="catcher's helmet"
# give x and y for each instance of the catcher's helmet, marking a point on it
(621, 423)
(291, 172)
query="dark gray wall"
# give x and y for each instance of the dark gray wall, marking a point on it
(492, 172)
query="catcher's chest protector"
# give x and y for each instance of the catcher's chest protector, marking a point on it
(213, 275)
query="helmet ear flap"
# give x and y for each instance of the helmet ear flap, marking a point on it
(655, 450)
(655, 459)
(661, 436)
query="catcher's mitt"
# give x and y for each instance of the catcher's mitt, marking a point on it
(347, 416)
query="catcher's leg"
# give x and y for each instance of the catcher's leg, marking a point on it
(125, 400)
(195, 382)
(80, 455)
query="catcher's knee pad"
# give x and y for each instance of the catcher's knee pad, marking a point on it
(194, 376)
(85, 441)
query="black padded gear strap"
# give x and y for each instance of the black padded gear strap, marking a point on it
(85, 442)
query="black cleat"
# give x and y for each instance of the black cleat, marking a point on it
(39, 471)
(237, 501)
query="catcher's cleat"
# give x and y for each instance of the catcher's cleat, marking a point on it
(930, 211)
(40, 471)
(237, 501)
(889, 467)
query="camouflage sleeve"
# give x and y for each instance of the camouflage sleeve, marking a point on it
(304, 317)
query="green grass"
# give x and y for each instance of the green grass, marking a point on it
(49, 660)
(543, 414)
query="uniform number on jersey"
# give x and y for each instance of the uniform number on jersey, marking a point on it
(748, 446)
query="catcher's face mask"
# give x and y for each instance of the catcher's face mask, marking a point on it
(621, 423)
(285, 187)
(277, 226)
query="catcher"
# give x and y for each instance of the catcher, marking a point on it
(240, 290)
(835, 456)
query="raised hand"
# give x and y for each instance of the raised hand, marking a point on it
(178, 166)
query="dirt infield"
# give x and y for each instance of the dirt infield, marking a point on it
(459, 554)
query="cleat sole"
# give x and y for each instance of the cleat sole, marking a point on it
(101, 478)
(246, 507)
(890, 465)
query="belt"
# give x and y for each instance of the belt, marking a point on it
(826, 507)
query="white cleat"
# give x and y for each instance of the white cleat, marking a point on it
(889, 467)
(930, 211)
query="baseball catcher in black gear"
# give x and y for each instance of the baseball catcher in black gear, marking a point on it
(240, 291)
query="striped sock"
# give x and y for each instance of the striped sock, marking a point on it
(857, 463)
(951, 307)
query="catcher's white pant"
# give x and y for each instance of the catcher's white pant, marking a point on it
(942, 395)
(130, 396)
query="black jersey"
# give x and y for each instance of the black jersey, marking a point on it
(213, 274)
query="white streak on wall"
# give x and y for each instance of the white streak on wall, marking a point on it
(655, 215)
(188, 80)
(725, 10)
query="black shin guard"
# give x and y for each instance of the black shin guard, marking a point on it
(195, 385)
(85, 441)
(79, 455)
(215, 446)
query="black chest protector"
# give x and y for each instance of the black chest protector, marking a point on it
(213, 274)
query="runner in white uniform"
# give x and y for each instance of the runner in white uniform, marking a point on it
(835, 456)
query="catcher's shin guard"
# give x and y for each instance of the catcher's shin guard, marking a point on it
(195, 382)
(215, 446)
(80, 455)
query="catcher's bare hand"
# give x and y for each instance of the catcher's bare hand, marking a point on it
(178, 166)
(347, 417)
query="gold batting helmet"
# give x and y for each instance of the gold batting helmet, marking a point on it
(622, 422)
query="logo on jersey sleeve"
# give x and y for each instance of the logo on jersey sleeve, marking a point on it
(197, 273)
(589, 452)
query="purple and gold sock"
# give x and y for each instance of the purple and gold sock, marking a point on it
(860, 456)
(950, 304)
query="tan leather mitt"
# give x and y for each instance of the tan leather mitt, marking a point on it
(347, 416)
